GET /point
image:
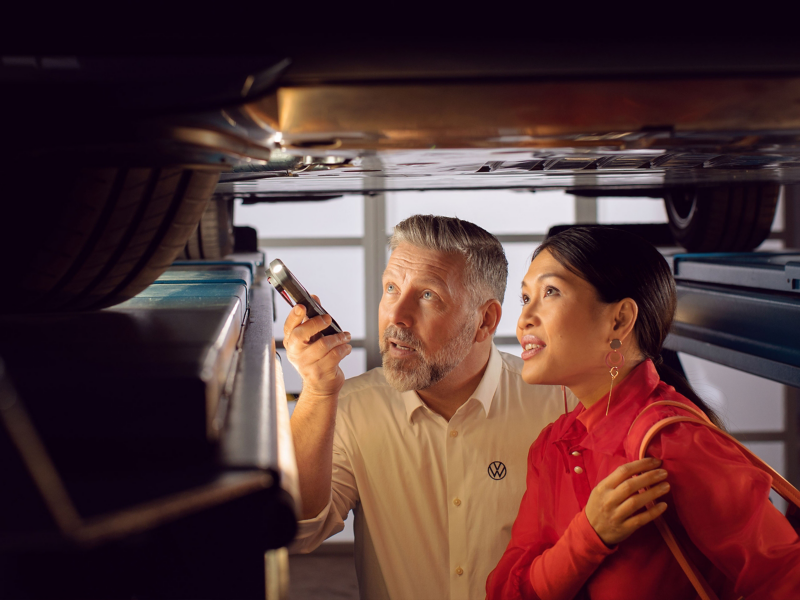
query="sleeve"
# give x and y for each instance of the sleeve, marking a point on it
(344, 497)
(722, 501)
(533, 567)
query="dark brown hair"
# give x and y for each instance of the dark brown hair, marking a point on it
(620, 265)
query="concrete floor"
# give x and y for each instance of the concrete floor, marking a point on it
(328, 572)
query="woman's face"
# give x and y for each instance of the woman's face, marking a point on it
(564, 328)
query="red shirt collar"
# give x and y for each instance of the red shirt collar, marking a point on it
(607, 433)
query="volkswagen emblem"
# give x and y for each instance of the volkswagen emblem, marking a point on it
(497, 470)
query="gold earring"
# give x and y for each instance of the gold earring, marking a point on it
(614, 360)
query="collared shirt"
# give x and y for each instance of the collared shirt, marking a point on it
(718, 507)
(433, 500)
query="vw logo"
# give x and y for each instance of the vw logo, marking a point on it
(497, 470)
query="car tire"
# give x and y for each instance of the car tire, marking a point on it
(91, 238)
(733, 218)
(213, 238)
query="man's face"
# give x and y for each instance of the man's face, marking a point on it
(426, 317)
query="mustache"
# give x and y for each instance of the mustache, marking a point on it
(403, 336)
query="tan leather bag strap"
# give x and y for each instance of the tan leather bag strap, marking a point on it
(783, 487)
(698, 413)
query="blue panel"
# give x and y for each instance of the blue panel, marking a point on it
(207, 274)
(254, 261)
(188, 297)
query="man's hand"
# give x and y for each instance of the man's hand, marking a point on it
(313, 419)
(316, 361)
(614, 504)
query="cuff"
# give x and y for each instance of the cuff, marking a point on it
(562, 570)
(595, 548)
(308, 528)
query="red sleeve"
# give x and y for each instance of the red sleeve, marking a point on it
(535, 568)
(722, 501)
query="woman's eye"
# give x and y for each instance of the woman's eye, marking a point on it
(524, 299)
(550, 291)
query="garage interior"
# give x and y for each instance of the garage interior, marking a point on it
(144, 392)
(760, 412)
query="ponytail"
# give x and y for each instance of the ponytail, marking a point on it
(672, 377)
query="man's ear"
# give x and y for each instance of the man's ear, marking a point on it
(490, 313)
(625, 317)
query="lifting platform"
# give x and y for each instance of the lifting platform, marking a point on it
(145, 447)
(741, 310)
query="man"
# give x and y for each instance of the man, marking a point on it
(429, 451)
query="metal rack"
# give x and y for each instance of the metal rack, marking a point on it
(153, 427)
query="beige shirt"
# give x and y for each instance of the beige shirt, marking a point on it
(434, 501)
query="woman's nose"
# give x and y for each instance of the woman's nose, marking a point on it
(526, 317)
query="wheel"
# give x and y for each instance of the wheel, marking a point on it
(90, 238)
(734, 218)
(213, 237)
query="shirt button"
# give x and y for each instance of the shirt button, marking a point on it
(576, 453)
(459, 571)
(578, 470)
(457, 502)
(453, 434)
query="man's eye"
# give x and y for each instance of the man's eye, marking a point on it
(427, 295)
(390, 287)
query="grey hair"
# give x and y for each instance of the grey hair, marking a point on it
(487, 268)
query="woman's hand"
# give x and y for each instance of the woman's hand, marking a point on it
(614, 504)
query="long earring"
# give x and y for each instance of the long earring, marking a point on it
(564, 391)
(614, 360)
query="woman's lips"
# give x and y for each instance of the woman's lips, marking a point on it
(531, 346)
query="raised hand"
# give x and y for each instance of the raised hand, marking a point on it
(317, 360)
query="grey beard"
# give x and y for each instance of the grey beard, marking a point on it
(422, 370)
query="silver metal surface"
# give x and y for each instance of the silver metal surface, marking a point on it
(716, 323)
(250, 435)
(509, 168)
(375, 244)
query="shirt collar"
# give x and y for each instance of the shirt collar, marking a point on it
(484, 393)
(607, 433)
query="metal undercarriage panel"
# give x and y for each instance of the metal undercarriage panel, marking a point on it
(507, 168)
(643, 133)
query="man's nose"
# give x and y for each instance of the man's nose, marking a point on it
(401, 312)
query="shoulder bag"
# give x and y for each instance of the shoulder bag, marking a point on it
(779, 484)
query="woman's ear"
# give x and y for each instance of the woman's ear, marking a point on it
(490, 314)
(625, 318)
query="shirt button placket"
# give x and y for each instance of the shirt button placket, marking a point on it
(456, 488)
(580, 481)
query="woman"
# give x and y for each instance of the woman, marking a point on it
(598, 302)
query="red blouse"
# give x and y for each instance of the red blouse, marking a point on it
(718, 507)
